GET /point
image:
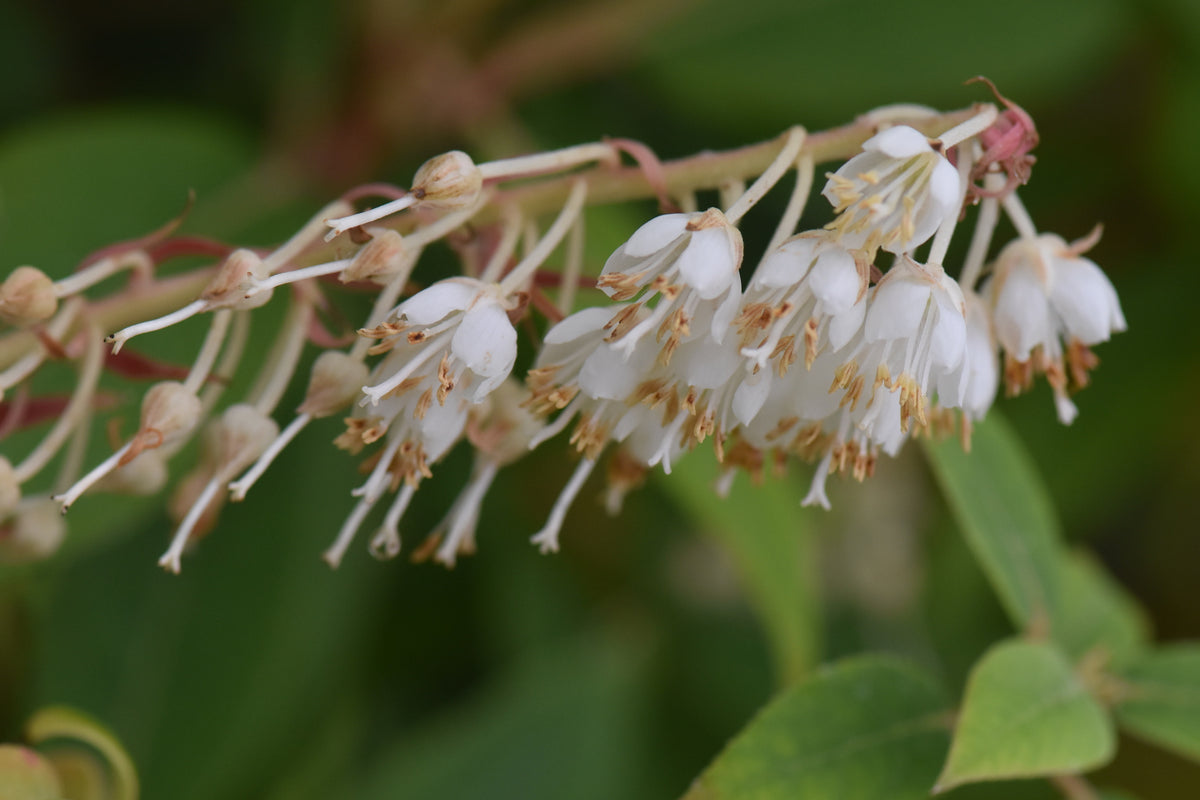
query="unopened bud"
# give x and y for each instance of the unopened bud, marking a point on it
(10, 488)
(336, 380)
(379, 259)
(143, 476)
(34, 532)
(169, 412)
(239, 437)
(27, 296)
(449, 181)
(238, 277)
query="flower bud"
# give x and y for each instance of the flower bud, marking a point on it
(34, 532)
(238, 277)
(169, 412)
(27, 296)
(240, 436)
(143, 476)
(336, 380)
(379, 259)
(449, 181)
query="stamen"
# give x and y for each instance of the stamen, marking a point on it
(170, 560)
(208, 351)
(342, 224)
(67, 498)
(239, 488)
(770, 176)
(523, 271)
(386, 543)
(547, 538)
(118, 339)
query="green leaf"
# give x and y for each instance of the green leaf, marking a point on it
(868, 727)
(1026, 714)
(563, 724)
(1162, 704)
(1097, 614)
(1005, 514)
(763, 528)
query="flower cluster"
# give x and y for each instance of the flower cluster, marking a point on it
(841, 344)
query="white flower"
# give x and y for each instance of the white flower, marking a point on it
(1043, 293)
(894, 194)
(690, 260)
(915, 333)
(972, 387)
(460, 327)
(805, 295)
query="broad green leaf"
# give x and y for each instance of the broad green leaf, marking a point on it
(867, 727)
(1004, 513)
(1026, 714)
(1097, 614)
(59, 727)
(1162, 703)
(26, 775)
(563, 724)
(763, 528)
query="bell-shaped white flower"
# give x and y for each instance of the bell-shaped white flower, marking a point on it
(1044, 294)
(458, 327)
(915, 333)
(689, 261)
(805, 296)
(972, 387)
(894, 194)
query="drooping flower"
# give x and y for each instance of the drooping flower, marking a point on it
(688, 260)
(894, 194)
(458, 325)
(1047, 301)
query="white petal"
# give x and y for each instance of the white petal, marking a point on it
(1086, 300)
(486, 341)
(834, 281)
(655, 235)
(710, 262)
(441, 427)
(944, 187)
(843, 327)
(1022, 314)
(725, 313)
(900, 141)
(434, 303)
(706, 365)
(949, 336)
(786, 265)
(606, 374)
(896, 309)
(581, 323)
(749, 398)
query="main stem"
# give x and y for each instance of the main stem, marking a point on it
(604, 185)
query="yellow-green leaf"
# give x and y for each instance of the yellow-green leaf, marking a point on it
(1162, 704)
(869, 727)
(1026, 714)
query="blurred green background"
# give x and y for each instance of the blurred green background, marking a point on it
(619, 667)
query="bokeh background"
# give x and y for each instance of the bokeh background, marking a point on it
(619, 667)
